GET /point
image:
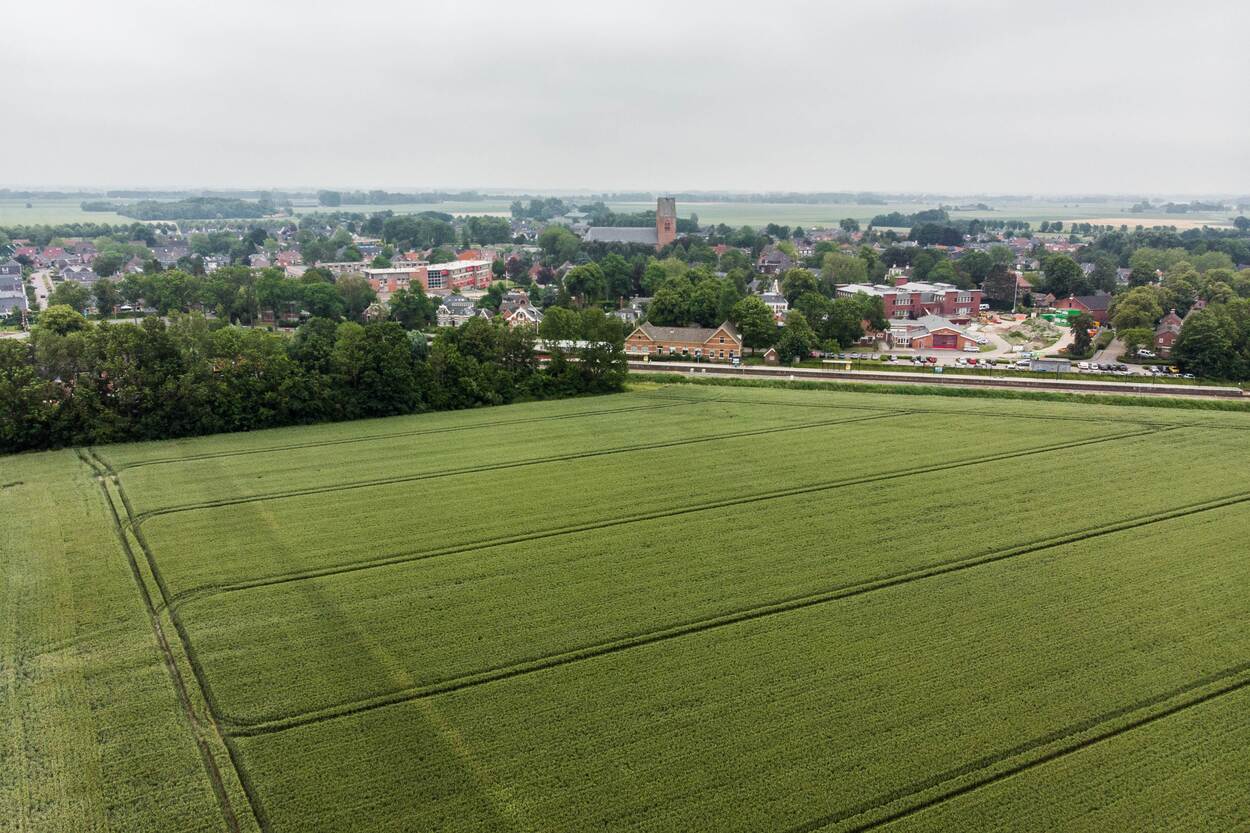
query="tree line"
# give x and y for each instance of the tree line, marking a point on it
(77, 383)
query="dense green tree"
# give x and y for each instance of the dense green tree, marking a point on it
(1135, 338)
(61, 319)
(976, 265)
(70, 294)
(670, 307)
(106, 296)
(705, 303)
(560, 324)
(838, 268)
(412, 308)
(796, 282)
(1080, 326)
(754, 321)
(356, 293)
(559, 244)
(1205, 345)
(1139, 307)
(999, 288)
(797, 339)
(106, 264)
(1063, 276)
(586, 283)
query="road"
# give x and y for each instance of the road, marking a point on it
(1110, 354)
(42, 282)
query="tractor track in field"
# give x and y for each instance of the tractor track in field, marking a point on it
(1079, 736)
(986, 414)
(191, 458)
(140, 517)
(206, 591)
(242, 728)
(102, 474)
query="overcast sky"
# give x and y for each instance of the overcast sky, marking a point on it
(958, 96)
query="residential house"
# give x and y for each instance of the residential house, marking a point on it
(523, 316)
(12, 291)
(773, 261)
(627, 315)
(513, 300)
(776, 302)
(1098, 306)
(1167, 331)
(81, 274)
(168, 254)
(455, 310)
(11, 269)
(718, 343)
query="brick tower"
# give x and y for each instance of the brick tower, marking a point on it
(665, 222)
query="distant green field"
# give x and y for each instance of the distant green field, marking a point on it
(689, 608)
(496, 208)
(734, 214)
(15, 212)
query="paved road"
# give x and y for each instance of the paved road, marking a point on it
(1110, 354)
(43, 287)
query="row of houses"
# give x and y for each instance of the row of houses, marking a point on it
(12, 288)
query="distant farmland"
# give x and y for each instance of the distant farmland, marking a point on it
(687, 608)
(15, 212)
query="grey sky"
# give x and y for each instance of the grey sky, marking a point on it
(961, 96)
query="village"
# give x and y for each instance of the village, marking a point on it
(999, 321)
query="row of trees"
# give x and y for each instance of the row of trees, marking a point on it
(76, 383)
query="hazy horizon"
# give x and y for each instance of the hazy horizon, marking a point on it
(966, 99)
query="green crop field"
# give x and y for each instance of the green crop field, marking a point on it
(683, 608)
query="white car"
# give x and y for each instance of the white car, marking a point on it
(971, 349)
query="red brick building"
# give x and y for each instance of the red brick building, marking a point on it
(913, 300)
(1167, 331)
(1098, 306)
(721, 343)
(930, 332)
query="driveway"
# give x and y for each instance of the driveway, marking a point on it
(1111, 353)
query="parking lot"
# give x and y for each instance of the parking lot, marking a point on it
(1021, 361)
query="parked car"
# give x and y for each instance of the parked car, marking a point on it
(1146, 354)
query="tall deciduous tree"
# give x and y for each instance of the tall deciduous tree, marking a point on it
(754, 321)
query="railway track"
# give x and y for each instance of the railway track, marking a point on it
(949, 379)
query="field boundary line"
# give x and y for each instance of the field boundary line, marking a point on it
(512, 464)
(243, 728)
(209, 762)
(205, 591)
(1086, 734)
(191, 458)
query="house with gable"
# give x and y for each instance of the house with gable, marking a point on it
(722, 343)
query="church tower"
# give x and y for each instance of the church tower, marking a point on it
(665, 221)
